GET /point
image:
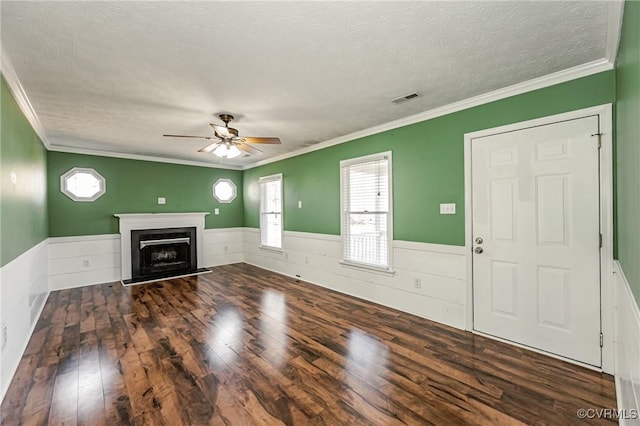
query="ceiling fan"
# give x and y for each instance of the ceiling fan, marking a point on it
(227, 142)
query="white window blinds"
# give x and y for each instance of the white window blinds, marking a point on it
(271, 211)
(366, 204)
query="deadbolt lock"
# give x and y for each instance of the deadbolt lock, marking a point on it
(479, 240)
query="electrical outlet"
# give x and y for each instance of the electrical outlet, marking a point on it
(216, 211)
(162, 200)
(86, 263)
(226, 248)
(417, 283)
(5, 335)
(449, 208)
(286, 255)
(306, 260)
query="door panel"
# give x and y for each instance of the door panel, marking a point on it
(504, 288)
(553, 289)
(536, 207)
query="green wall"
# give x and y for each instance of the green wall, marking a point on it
(134, 186)
(428, 165)
(628, 147)
(428, 170)
(23, 204)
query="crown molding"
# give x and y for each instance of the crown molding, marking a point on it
(615, 12)
(21, 98)
(614, 26)
(19, 94)
(99, 153)
(563, 76)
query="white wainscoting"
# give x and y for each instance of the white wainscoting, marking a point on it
(315, 258)
(23, 291)
(222, 246)
(93, 259)
(84, 260)
(627, 348)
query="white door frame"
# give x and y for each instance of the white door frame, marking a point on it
(604, 113)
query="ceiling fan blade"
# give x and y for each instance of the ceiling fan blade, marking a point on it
(209, 148)
(248, 148)
(221, 131)
(271, 141)
(187, 136)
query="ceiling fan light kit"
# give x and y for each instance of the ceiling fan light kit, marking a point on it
(227, 150)
(227, 142)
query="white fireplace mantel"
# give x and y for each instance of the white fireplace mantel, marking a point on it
(137, 221)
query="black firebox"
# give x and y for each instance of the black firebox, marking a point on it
(163, 253)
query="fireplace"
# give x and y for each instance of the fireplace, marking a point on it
(157, 225)
(163, 252)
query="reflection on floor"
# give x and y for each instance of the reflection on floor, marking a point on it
(243, 345)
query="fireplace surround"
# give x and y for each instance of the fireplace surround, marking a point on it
(157, 225)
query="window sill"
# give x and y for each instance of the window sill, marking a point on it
(368, 268)
(269, 248)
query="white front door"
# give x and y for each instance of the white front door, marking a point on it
(536, 232)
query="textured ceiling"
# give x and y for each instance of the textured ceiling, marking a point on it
(115, 76)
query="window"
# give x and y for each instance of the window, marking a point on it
(271, 211)
(224, 190)
(366, 211)
(82, 184)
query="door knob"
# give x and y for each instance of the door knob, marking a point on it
(479, 240)
(478, 250)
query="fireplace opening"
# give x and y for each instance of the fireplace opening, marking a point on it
(163, 253)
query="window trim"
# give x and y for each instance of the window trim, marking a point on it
(86, 170)
(234, 190)
(267, 179)
(359, 265)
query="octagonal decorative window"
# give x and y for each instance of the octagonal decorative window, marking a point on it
(81, 184)
(224, 190)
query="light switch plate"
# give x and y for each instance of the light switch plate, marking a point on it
(448, 208)
(162, 200)
(300, 204)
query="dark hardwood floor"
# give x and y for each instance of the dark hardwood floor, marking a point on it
(246, 346)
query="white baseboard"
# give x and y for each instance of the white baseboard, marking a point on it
(23, 290)
(315, 258)
(627, 348)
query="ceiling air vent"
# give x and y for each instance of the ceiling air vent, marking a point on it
(404, 98)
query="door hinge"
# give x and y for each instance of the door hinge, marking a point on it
(600, 240)
(601, 340)
(599, 139)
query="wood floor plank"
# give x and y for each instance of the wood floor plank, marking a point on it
(90, 394)
(245, 346)
(64, 404)
(38, 400)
